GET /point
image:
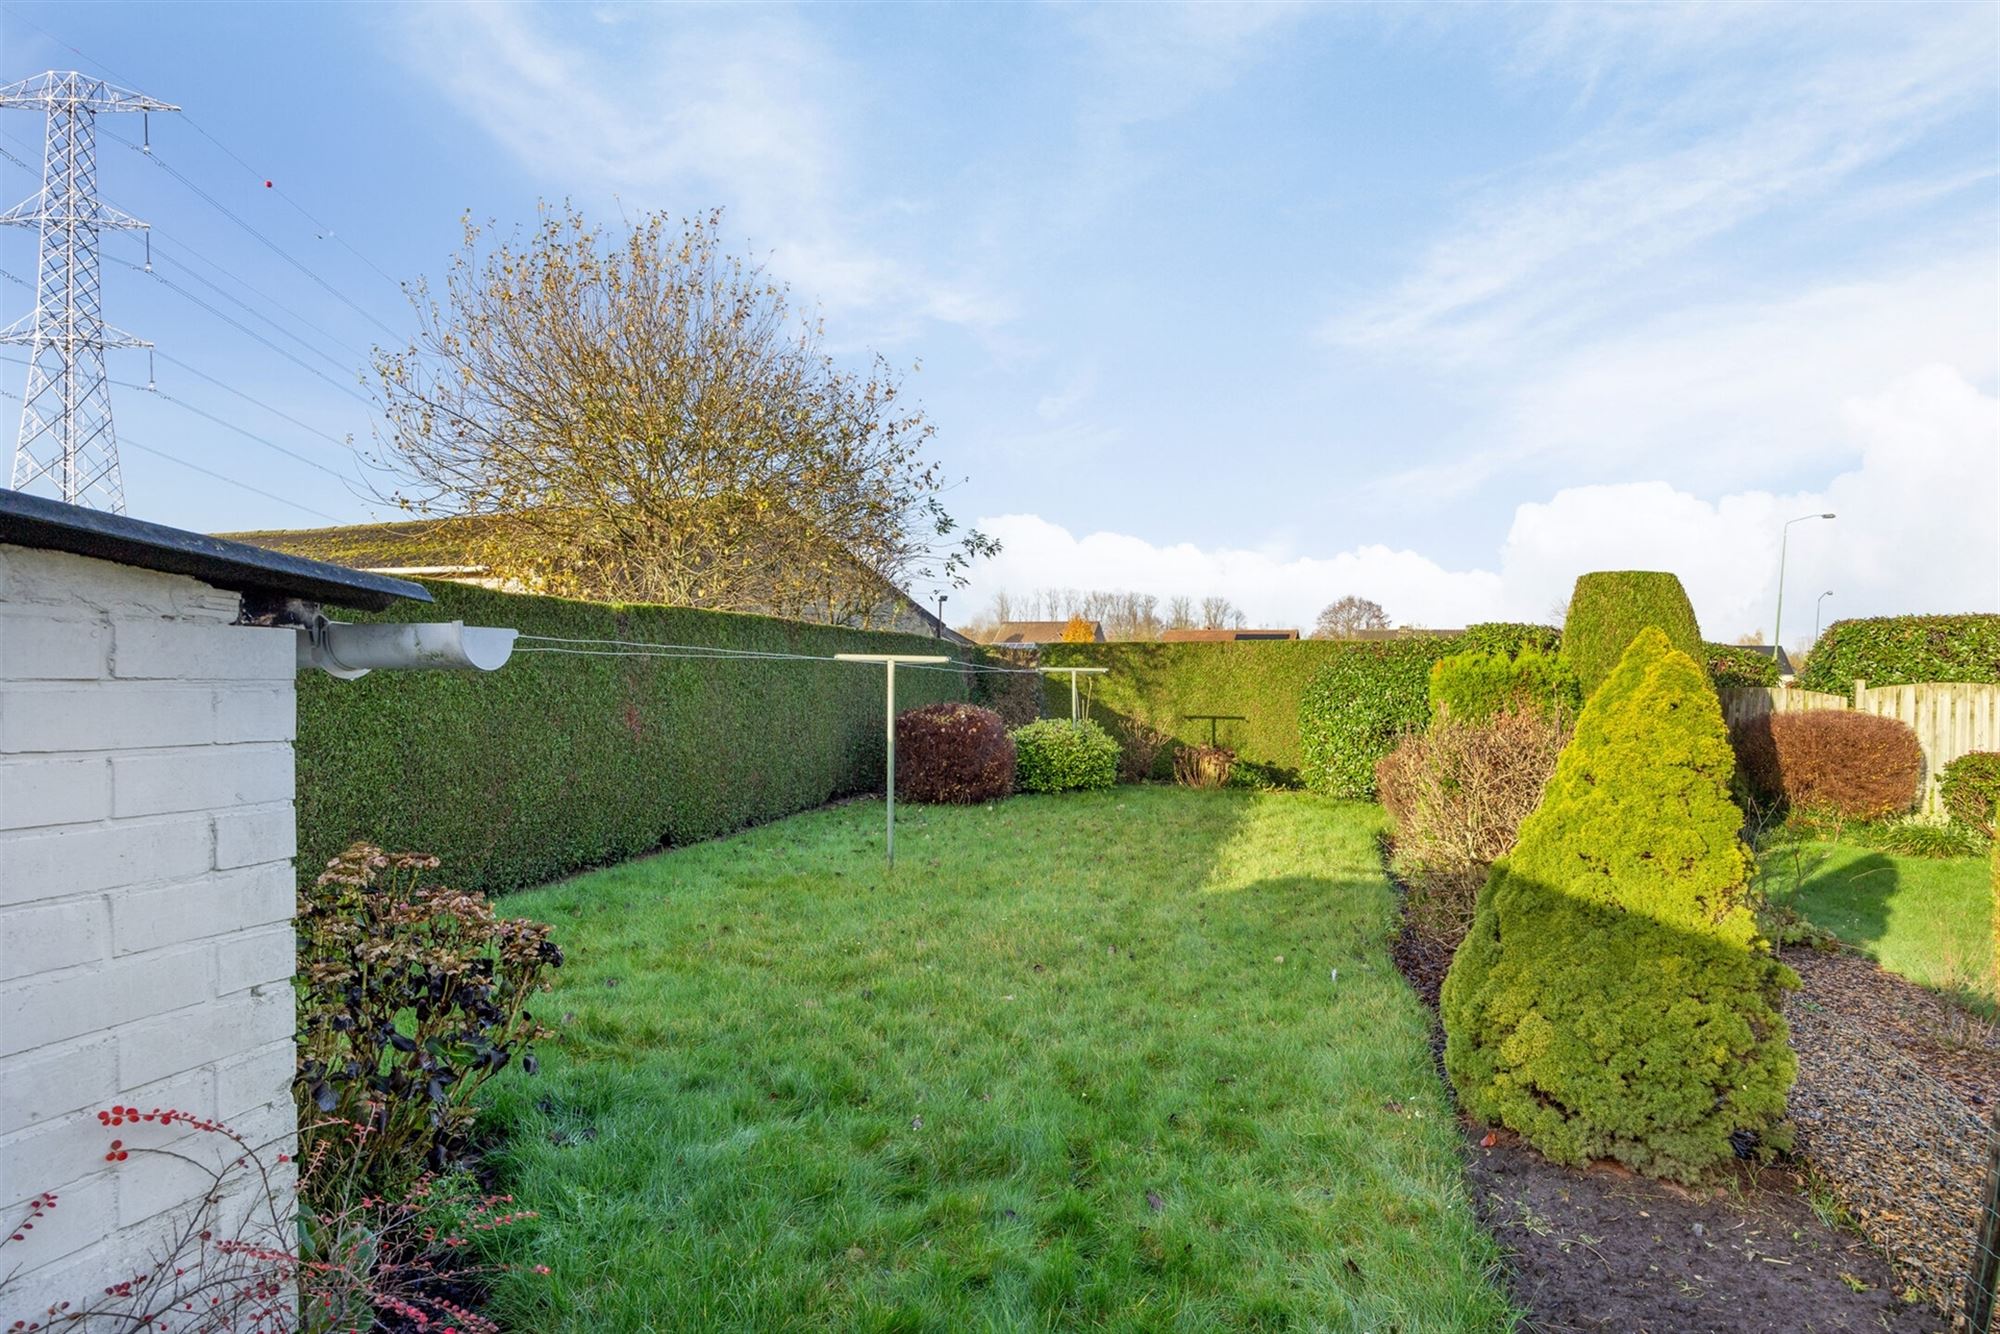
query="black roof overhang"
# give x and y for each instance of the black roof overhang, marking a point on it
(36, 521)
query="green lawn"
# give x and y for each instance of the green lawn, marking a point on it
(1927, 919)
(1081, 1063)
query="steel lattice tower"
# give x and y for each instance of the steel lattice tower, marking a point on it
(66, 436)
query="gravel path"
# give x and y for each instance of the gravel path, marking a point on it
(1895, 1093)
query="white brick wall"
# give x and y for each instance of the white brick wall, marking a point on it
(146, 894)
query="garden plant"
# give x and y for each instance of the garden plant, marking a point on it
(1614, 997)
(1609, 608)
(953, 753)
(1856, 766)
(1057, 755)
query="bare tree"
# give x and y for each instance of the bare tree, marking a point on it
(1219, 613)
(640, 415)
(1180, 613)
(1342, 619)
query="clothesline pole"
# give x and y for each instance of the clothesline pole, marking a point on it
(889, 661)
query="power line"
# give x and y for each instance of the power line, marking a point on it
(244, 329)
(268, 243)
(326, 232)
(129, 442)
(255, 402)
(164, 397)
(155, 251)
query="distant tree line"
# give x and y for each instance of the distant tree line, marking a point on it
(1128, 615)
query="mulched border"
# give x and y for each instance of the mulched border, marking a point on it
(1604, 1249)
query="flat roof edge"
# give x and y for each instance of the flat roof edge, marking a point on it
(50, 525)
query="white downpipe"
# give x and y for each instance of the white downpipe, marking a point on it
(346, 650)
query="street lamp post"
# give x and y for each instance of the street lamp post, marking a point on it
(1784, 537)
(940, 616)
(1818, 603)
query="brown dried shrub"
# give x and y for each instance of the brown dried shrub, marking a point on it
(1856, 765)
(1140, 741)
(1457, 793)
(1203, 766)
(954, 754)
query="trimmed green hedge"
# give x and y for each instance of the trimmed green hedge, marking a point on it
(558, 762)
(1260, 684)
(1472, 687)
(1734, 665)
(1904, 650)
(1359, 704)
(1609, 607)
(1509, 637)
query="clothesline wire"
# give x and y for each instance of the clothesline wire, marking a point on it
(636, 648)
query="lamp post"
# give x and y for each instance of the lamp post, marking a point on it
(940, 616)
(1784, 537)
(1819, 602)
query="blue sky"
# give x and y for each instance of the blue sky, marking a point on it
(1439, 306)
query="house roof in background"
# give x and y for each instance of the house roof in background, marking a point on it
(1773, 651)
(411, 544)
(1222, 636)
(1037, 632)
(36, 521)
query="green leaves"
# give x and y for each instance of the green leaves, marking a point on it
(1902, 650)
(1360, 702)
(1614, 997)
(1608, 608)
(1056, 755)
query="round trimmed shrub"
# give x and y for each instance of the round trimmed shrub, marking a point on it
(1858, 766)
(1614, 998)
(1970, 785)
(1359, 704)
(1608, 608)
(953, 754)
(1056, 755)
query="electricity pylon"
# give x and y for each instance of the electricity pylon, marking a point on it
(66, 436)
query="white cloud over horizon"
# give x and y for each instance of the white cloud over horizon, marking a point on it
(1918, 531)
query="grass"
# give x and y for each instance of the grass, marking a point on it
(1082, 1062)
(1928, 919)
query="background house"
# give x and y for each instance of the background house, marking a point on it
(1029, 634)
(449, 549)
(1222, 636)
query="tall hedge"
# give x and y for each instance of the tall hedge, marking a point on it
(1614, 998)
(1357, 707)
(1904, 650)
(1608, 608)
(558, 762)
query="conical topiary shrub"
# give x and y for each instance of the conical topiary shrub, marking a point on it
(1607, 610)
(1614, 998)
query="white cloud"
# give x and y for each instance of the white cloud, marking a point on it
(1564, 241)
(685, 109)
(1918, 530)
(1736, 394)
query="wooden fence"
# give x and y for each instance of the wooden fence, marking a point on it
(1950, 718)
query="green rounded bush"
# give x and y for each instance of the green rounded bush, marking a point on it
(1359, 704)
(1608, 608)
(1614, 998)
(1472, 687)
(1056, 755)
(1970, 785)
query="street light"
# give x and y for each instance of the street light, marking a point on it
(940, 616)
(1817, 604)
(1785, 536)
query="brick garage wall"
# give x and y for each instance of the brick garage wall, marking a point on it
(146, 897)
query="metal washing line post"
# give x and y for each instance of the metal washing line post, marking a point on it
(1073, 673)
(889, 660)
